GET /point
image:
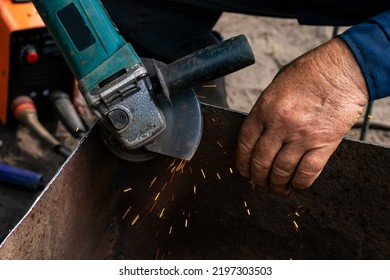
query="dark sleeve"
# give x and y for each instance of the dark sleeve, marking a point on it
(370, 43)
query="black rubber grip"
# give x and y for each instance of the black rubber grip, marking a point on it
(207, 64)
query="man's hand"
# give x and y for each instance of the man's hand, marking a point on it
(301, 117)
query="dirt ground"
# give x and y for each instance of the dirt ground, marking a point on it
(275, 42)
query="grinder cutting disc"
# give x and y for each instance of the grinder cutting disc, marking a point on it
(183, 131)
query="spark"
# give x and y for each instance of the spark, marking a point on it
(186, 223)
(295, 226)
(219, 177)
(370, 116)
(213, 119)
(252, 184)
(173, 198)
(127, 212)
(77, 129)
(247, 209)
(204, 176)
(161, 213)
(166, 183)
(127, 190)
(292, 214)
(152, 182)
(231, 170)
(170, 230)
(189, 166)
(219, 144)
(210, 86)
(155, 199)
(202, 97)
(154, 204)
(162, 257)
(173, 175)
(158, 251)
(172, 163)
(194, 189)
(181, 165)
(135, 220)
(298, 211)
(157, 233)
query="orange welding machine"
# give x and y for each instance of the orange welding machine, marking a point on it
(30, 63)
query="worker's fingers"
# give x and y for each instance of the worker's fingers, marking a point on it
(284, 166)
(309, 168)
(264, 153)
(249, 135)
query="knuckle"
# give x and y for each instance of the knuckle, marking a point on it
(303, 179)
(308, 169)
(243, 146)
(259, 164)
(282, 171)
(306, 174)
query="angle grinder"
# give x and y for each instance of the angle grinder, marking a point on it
(142, 109)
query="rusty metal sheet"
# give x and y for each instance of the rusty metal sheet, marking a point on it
(73, 218)
(99, 206)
